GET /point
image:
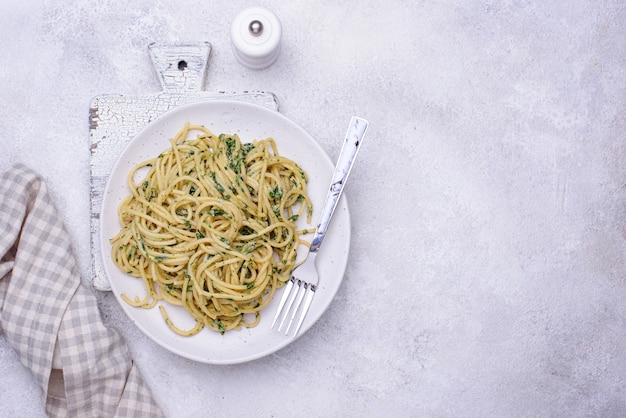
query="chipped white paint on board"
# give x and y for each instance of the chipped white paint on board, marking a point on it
(115, 119)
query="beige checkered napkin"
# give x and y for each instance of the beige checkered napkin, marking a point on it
(42, 303)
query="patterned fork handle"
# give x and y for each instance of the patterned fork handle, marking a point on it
(304, 287)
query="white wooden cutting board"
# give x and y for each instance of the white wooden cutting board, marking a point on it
(114, 119)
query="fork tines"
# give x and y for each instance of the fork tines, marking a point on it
(296, 290)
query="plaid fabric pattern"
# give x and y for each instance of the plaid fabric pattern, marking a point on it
(42, 304)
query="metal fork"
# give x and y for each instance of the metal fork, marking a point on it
(298, 290)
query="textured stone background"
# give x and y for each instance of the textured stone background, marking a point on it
(487, 275)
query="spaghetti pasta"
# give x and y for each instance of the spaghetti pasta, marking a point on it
(212, 227)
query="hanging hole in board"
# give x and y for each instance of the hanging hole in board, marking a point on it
(182, 64)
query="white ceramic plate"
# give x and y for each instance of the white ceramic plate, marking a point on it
(249, 122)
